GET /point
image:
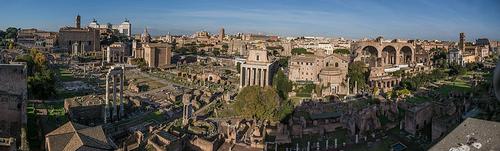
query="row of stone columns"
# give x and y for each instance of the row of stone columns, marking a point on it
(116, 74)
(253, 76)
(385, 84)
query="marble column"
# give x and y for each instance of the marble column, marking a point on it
(247, 79)
(106, 106)
(262, 76)
(114, 99)
(122, 79)
(242, 77)
(252, 75)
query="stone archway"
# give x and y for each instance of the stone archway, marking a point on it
(406, 55)
(369, 55)
(389, 55)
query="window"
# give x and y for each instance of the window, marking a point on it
(336, 64)
(257, 57)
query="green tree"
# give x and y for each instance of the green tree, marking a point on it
(216, 52)
(225, 47)
(238, 67)
(11, 32)
(299, 51)
(139, 62)
(11, 45)
(29, 62)
(358, 73)
(2, 34)
(258, 103)
(283, 62)
(282, 85)
(41, 85)
(341, 51)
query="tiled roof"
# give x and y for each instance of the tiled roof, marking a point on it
(73, 136)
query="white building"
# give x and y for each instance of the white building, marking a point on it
(124, 28)
(455, 56)
(258, 69)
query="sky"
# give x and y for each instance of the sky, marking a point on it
(405, 19)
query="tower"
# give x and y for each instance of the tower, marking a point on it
(145, 37)
(221, 34)
(461, 44)
(78, 21)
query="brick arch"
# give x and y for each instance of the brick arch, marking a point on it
(408, 54)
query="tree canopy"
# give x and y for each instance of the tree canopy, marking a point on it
(261, 103)
(358, 73)
(299, 51)
(41, 82)
(282, 85)
(341, 51)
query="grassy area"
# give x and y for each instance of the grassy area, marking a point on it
(65, 75)
(55, 117)
(296, 100)
(458, 85)
(305, 90)
(417, 99)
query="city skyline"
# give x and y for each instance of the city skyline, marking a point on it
(351, 19)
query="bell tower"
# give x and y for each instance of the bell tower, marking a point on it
(78, 21)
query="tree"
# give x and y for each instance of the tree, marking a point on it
(225, 47)
(11, 45)
(216, 52)
(2, 34)
(358, 73)
(456, 69)
(282, 85)
(341, 51)
(283, 62)
(261, 103)
(299, 51)
(238, 67)
(29, 62)
(139, 62)
(41, 85)
(11, 33)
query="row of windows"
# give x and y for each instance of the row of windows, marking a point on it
(327, 64)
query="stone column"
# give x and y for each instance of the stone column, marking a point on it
(326, 144)
(122, 79)
(335, 143)
(357, 139)
(114, 99)
(348, 89)
(252, 76)
(247, 79)
(262, 77)
(242, 76)
(266, 77)
(106, 106)
(398, 56)
(412, 56)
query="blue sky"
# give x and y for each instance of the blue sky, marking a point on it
(423, 19)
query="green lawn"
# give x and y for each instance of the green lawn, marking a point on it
(65, 75)
(417, 99)
(454, 86)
